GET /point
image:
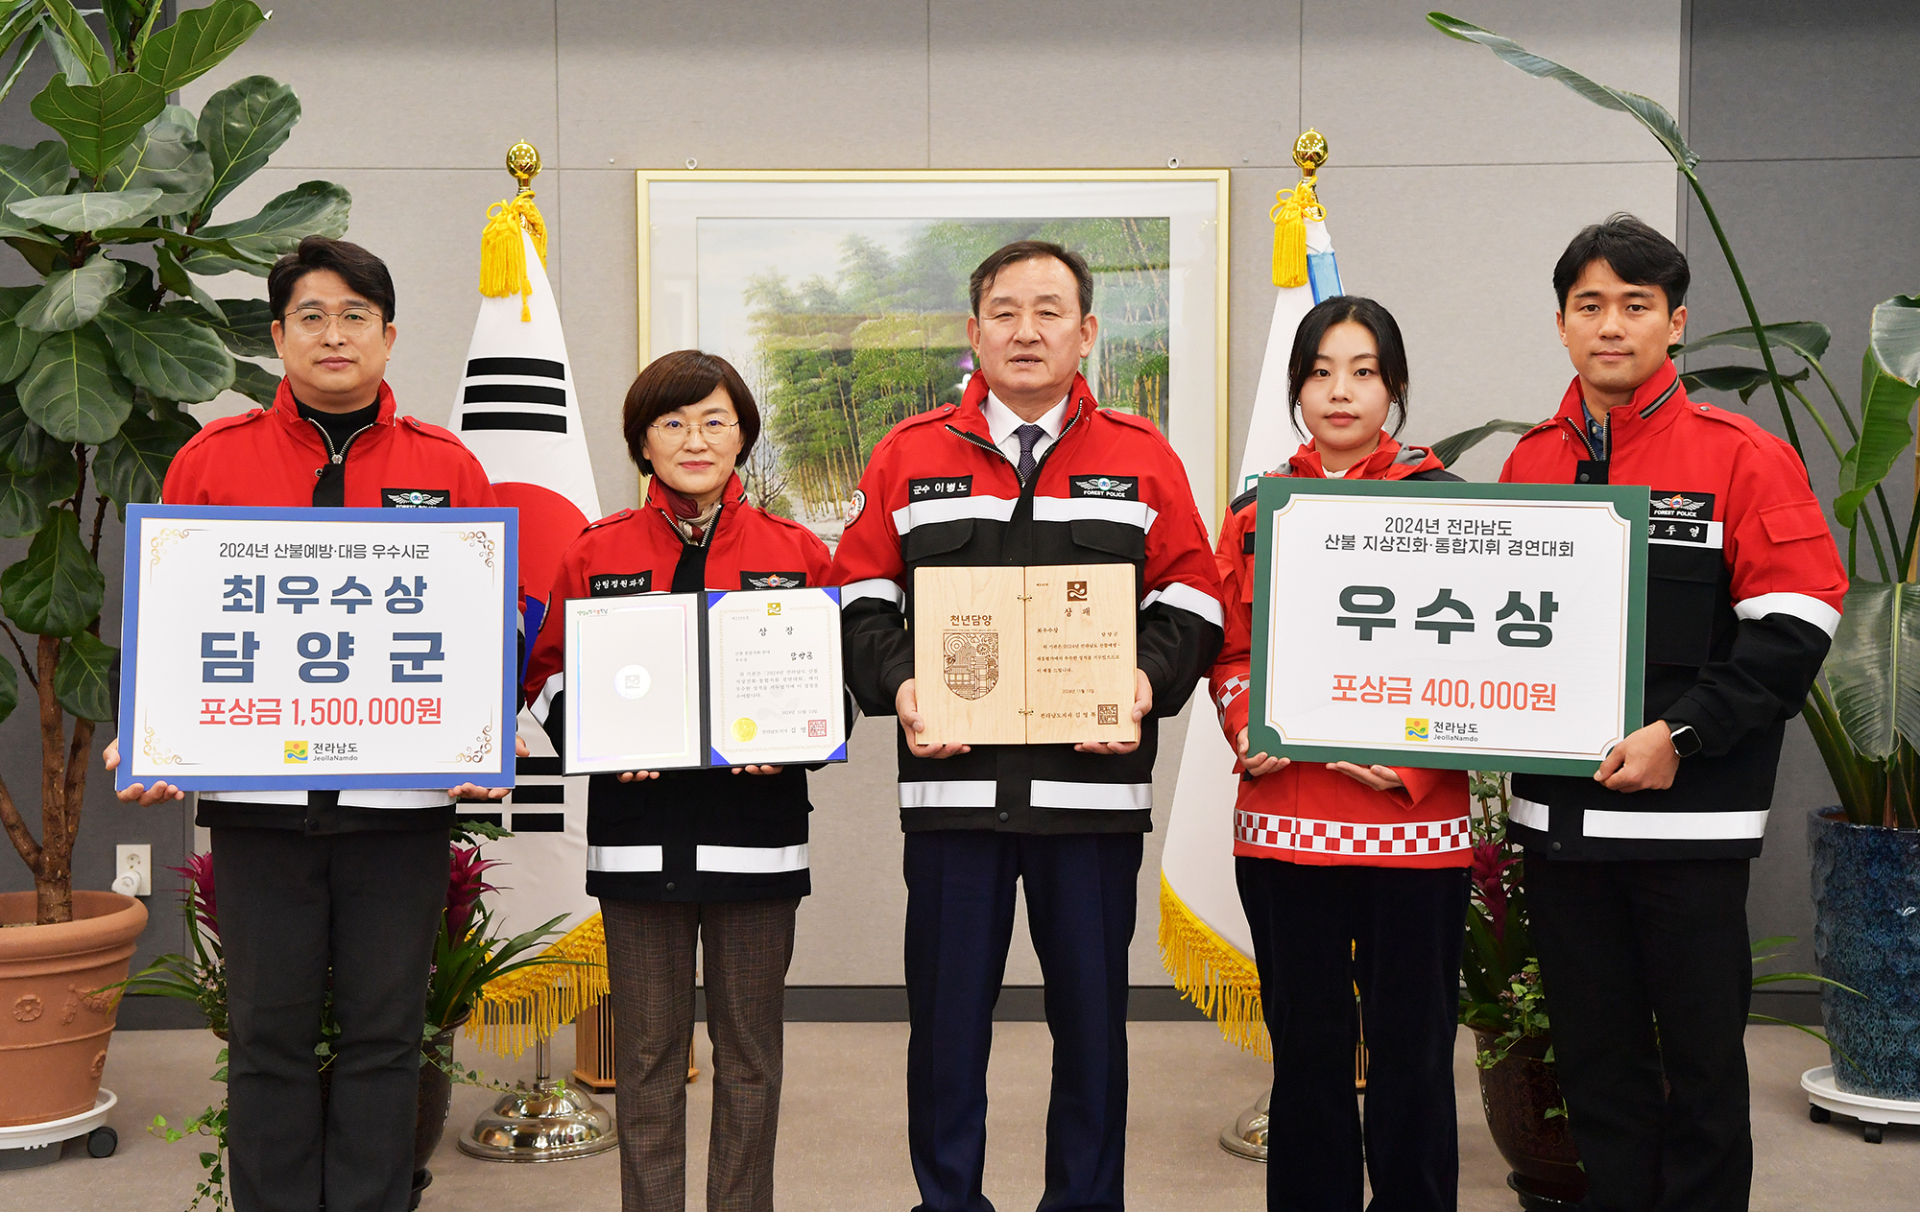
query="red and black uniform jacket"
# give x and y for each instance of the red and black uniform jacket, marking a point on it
(689, 835)
(1305, 813)
(1743, 594)
(272, 457)
(937, 492)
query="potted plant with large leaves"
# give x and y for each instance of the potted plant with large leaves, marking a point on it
(97, 364)
(1865, 714)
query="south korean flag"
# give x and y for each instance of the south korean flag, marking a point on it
(517, 410)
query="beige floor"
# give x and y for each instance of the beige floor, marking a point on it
(843, 1134)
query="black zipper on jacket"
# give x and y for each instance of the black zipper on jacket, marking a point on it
(330, 485)
(1024, 506)
(329, 492)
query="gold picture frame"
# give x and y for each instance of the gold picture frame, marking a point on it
(1020, 183)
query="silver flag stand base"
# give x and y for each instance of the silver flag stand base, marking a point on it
(1245, 1137)
(548, 1121)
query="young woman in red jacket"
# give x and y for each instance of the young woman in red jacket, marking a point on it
(1350, 875)
(679, 857)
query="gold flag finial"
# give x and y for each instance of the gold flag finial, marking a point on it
(1294, 209)
(1310, 152)
(523, 161)
(503, 259)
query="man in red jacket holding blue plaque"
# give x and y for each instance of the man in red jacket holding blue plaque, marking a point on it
(333, 894)
(1637, 877)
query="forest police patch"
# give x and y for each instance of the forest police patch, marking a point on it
(413, 498)
(772, 580)
(619, 584)
(1682, 506)
(936, 488)
(1106, 488)
(859, 506)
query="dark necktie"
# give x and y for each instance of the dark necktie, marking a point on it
(1029, 436)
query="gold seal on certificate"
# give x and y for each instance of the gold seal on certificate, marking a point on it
(673, 681)
(1025, 656)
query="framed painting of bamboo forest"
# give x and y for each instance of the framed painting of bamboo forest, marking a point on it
(842, 299)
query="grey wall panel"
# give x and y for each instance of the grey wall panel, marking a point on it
(1778, 79)
(1409, 95)
(1100, 84)
(1478, 350)
(1786, 102)
(736, 84)
(451, 87)
(595, 223)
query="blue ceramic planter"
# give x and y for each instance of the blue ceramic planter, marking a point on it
(1866, 934)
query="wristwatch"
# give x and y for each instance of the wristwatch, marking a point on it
(1686, 742)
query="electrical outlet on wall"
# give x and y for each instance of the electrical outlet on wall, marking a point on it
(138, 859)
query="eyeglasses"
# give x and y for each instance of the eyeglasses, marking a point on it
(353, 322)
(712, 428)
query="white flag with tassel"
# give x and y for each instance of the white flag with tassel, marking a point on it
(518, 411)
(1205, 942)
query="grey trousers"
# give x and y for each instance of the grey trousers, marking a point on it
(650, 966)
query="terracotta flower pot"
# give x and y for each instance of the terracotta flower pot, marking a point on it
(53, 1025)
(1517, 1093)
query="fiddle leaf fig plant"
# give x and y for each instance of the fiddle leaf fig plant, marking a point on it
(98, 362)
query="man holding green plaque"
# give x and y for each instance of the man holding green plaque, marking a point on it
(1637, 877)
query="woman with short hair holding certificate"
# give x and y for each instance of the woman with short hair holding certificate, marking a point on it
(1350, 875)
(714, 856)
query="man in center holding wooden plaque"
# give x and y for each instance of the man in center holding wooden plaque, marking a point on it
(1062, 595)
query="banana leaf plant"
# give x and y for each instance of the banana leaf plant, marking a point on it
(98, 362)
(1864, 712)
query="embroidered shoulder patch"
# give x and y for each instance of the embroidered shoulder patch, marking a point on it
(1107, 488)
(413, 498)
(772, 580)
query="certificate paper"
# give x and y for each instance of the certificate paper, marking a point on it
(633, 683)
(676, 681)
(774, 677)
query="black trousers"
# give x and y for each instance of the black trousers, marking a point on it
(1623, 944)
(294, 908)
(1081, 897)
(1397, 933)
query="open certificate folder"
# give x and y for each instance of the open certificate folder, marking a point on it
(671, 681)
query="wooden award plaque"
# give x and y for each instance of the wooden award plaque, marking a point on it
(1025, 656)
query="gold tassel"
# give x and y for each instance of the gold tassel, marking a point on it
(1290, 214)
(533, 1003)
(1212, 974)
(503, 256)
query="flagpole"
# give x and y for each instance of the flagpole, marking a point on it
(548, 1120)
(1295, 266)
